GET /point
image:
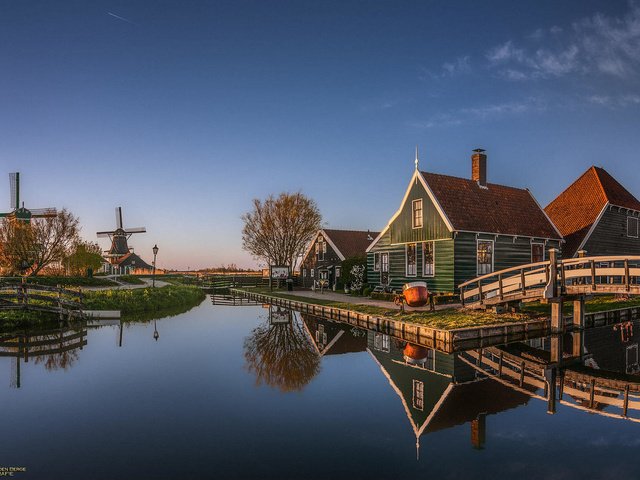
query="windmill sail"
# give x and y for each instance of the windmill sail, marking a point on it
(135, 230)
(118, 217)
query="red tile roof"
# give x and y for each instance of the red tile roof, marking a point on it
(495, 209)
(576, 209)
(351, 243)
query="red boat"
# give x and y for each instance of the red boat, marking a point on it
(415, 294)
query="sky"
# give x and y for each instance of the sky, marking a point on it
(182, 112)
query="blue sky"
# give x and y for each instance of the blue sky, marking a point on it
(182, 112)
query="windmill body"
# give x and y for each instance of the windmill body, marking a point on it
(18, 210)
(120, 256)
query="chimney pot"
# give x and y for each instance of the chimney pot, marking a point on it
(479, 167)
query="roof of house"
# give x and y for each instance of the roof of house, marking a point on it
(351, 243)
(576, 209)
(492, 209)
(133, 260)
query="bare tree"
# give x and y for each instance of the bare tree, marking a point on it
(38, 243)
(277, 230)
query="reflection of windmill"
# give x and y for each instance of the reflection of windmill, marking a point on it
(19, 211)
(119, 238)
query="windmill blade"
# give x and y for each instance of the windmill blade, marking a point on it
(135, 230)
(104, 234)
(118, 217)
(43, 212)
(14, 187)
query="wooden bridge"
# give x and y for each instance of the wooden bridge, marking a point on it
(554, 279)
(41, 298)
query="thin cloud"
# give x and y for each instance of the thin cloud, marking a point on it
(492, 111)
(121, 18)
(459, 66)
(598, 44)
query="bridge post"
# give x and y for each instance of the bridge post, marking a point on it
(556, 348)
(577, 344)
(551, 289)
(557, 319)
(578, 312)
(550, 375)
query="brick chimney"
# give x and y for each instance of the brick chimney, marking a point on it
(479, 167)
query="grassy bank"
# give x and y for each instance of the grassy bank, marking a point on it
(600, 303)
(446, 319)
(142, 300)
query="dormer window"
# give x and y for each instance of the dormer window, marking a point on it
(416, 218)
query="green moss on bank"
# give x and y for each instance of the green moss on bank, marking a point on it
(445, 319)
(600, 303)
(141, 300)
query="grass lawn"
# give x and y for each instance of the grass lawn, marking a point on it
(446, 319)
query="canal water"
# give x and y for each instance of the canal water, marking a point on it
(252, 392)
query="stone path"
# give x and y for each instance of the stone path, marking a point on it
(341, 297)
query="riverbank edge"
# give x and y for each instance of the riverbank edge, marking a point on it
(410, 331)
(115, 299)
(445, 337)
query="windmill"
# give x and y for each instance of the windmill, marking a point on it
(18, 211)
(119, 238)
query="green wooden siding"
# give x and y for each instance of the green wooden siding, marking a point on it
(434, 228)
(443, 281)
(610, 236)
(508, 252)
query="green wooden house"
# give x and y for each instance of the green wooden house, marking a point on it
(449, 230)
(597, 215)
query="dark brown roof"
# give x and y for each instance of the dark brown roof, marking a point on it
(576, 209)
(495, 209)
(351, 243)
(133, 260)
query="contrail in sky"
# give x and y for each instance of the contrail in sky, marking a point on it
(121, 18)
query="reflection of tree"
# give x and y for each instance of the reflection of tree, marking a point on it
(281, 356)
(57, 361)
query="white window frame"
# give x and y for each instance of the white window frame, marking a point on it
(377, 262)
(493, 256)
(637, 221)
(414, 224)
(415, 259)
(338, 272)
(418, 395)
(433, 254)
(312, 273)
(382, 342)
(544, 254)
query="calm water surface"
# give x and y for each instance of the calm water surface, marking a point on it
(228, 392)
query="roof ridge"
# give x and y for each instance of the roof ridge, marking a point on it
(473, 181)
(595, 171)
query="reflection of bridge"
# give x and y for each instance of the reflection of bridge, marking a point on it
(555, 374)
(53, 345)
(575, 276)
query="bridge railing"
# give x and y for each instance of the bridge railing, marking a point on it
(30, 296)
(601, 274)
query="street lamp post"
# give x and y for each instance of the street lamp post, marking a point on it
(155, 253)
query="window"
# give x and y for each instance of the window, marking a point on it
(418, 395)
(384, 262)
(411, 260)
(312, 273)
(537, 252)
(485, 257)
(337, 272)
(376, 262)
(304, 272)
(428, 259)
(321, 248)
(382, 342)
(632, 227)
(416, 219)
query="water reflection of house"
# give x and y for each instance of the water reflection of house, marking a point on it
(613, 348)
(438, 390)
(331, 338)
